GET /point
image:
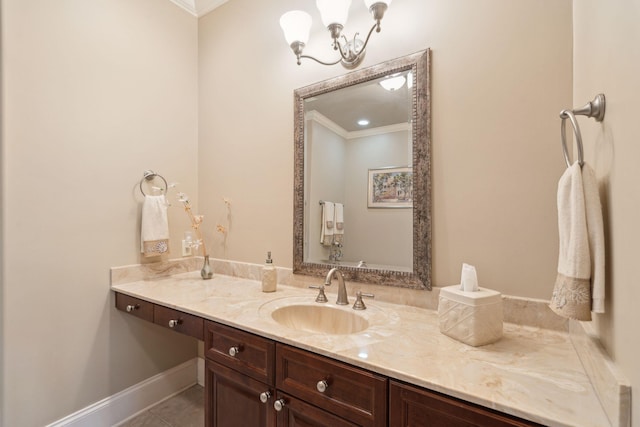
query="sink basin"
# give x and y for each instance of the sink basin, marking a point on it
(320, 318)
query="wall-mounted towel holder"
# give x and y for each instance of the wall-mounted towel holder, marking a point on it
(149, 176)
(594, 109)
(322, 202)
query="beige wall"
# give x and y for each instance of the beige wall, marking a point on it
(93, 94)
(498, 85)
(607, 60)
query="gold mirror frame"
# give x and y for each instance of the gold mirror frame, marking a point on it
(419, 64)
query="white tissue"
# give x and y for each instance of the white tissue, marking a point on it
(468, 278)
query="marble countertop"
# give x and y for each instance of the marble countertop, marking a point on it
(531, 373)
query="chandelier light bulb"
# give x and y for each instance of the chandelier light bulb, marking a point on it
(333, 11)
(296, 25)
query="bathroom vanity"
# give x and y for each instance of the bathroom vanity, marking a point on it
(256, 381)
(398, 371)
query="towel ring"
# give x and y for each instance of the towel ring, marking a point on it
(149, 175)
(564, 115)
(594, 109)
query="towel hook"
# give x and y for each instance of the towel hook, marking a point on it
(594, 109)
(148, 176)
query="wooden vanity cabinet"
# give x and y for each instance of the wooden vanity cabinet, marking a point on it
(418, 407)
(246, 374)
(239, 379)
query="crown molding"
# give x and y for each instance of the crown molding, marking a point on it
(199, 8)
(318, 117)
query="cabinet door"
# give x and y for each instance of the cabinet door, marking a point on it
(296, 413)
(233, 399)
(416, 407)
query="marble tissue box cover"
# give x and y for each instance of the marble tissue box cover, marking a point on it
(474, 318)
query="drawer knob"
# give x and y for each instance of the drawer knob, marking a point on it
(278, 405)
(234, 351)
(173, 323)
(130, 307)
(322, 386)
(265, 396)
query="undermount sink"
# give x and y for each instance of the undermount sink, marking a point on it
(320, 318)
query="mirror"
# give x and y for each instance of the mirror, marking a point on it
(377, 175)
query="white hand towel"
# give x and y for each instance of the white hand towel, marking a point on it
(154, 236)
(327, 230)
(338, 233)
(595, 232)
(581, 241)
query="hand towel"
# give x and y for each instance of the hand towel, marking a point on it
(580, 279)
(327, 218)
(338, 232)
(154, 236)
(595, 232)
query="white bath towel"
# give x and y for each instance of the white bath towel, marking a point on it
(338, 233)
(579, 286)
(327, 218)
(154, 236)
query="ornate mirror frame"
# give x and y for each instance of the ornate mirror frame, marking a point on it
(420, 64)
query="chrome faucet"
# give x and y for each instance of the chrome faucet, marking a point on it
(342, 289)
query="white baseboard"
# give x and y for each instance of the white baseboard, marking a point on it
(121, 406)
(201, 371)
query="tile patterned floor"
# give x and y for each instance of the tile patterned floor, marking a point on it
(183, 410)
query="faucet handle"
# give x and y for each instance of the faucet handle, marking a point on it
(321, 296)
(359, 304)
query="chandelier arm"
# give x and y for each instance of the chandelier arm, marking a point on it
(337, 43)
(366, 41)
(319, 61)
(357, 53)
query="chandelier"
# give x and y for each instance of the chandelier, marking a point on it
(296, 25)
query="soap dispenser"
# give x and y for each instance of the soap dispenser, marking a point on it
(269, 275)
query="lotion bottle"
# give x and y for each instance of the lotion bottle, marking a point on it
(269, 275)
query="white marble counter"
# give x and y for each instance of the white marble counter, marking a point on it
(531, 373)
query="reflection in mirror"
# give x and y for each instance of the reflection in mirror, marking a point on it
(362, 174)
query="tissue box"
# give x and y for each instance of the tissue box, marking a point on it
(475, 318)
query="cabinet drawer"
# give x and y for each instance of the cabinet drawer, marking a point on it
(134, 306)
(350, 393)
(247, 353)
(417, 407)
(178, 321)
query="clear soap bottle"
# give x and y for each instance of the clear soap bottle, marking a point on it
(269, 275)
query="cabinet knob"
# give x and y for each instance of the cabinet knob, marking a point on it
(173, 323)
(265, 396)
(322, 386)
(233, 351)
(130, 307)
(278, 405)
